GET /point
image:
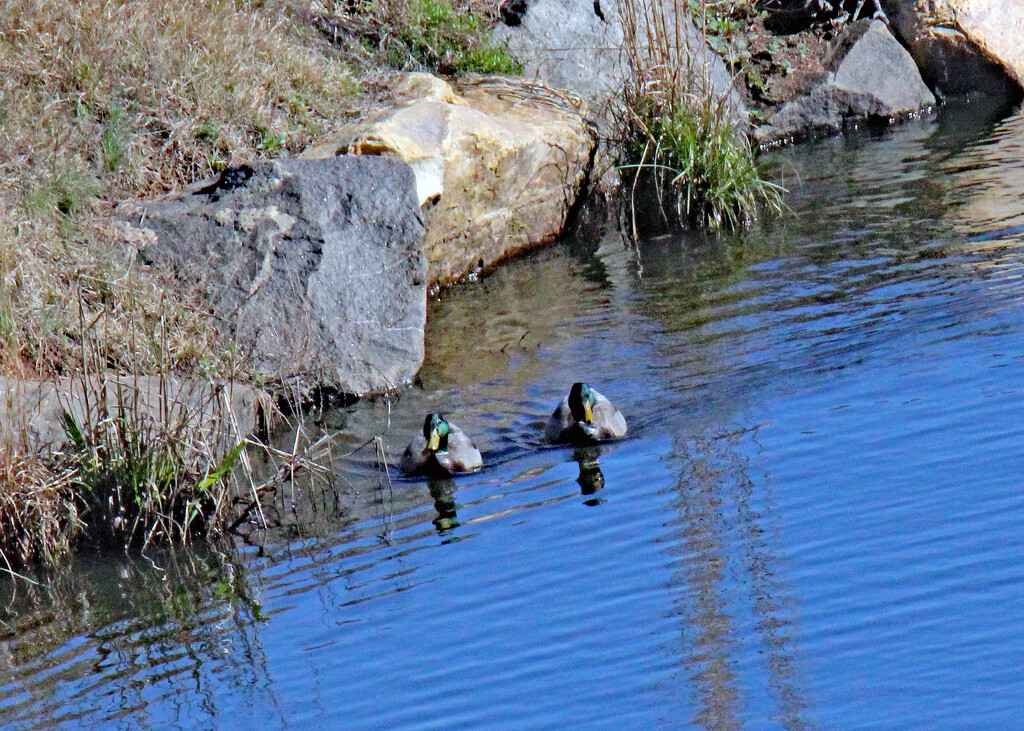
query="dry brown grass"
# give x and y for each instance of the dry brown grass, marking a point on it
(37, 514)
(102, 101)
(144, 95)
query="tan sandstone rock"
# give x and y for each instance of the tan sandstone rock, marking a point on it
(963, 46)
(499, 163)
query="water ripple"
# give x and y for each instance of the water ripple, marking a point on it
(814, 521)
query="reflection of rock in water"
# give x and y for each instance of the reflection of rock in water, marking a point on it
(591, 479)
(497, 327)
(443, 492)
(986, 189)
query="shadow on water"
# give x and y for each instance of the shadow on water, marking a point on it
(654, 580)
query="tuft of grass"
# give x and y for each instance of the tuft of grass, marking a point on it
(149, 458)
(701, 165)
(112, 141)
(678, 135)
(139, 474)
(66, 190)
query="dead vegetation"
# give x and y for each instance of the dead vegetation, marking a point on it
(102, 101)
(109, 100)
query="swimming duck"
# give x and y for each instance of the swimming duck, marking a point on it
(584, 417)
(441, 451)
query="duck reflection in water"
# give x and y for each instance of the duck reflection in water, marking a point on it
(443, 492)
(591, 479)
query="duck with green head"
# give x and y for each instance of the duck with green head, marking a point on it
(584, 417)
(442, 450)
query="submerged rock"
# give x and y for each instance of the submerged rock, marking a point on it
(314, 268)
(499, 163)
(868, 76)
(964, 46)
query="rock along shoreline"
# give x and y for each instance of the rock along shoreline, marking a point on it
(319, 267)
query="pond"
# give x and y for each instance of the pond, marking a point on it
(814, 521)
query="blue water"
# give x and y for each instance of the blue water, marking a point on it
(815, 521)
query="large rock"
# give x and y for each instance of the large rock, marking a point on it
(224, 413)
(314, 268)
(578, 45)
(499, 163)
(964, 46)
(869, 76)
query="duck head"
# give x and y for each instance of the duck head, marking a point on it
(435, 430)
(581, 403)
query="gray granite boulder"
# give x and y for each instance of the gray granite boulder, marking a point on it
(314, 268)
(869, 76)
(578, 45)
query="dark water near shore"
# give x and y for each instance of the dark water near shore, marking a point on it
(815, 522)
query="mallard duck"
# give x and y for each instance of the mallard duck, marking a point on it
(584, 417)
(441, 451)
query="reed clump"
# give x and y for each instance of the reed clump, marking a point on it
(141, 466)
(680, 136)
(141, 458)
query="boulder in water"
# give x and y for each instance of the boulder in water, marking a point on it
(869, 76)
(964, 46)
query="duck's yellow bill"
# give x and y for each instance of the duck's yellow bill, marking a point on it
(434, 442)
(588, 412)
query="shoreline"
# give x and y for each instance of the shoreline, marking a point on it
(100, 310)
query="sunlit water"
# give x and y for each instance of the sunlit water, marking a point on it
(815, 522)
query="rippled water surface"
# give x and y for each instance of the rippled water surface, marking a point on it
(815, 521)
